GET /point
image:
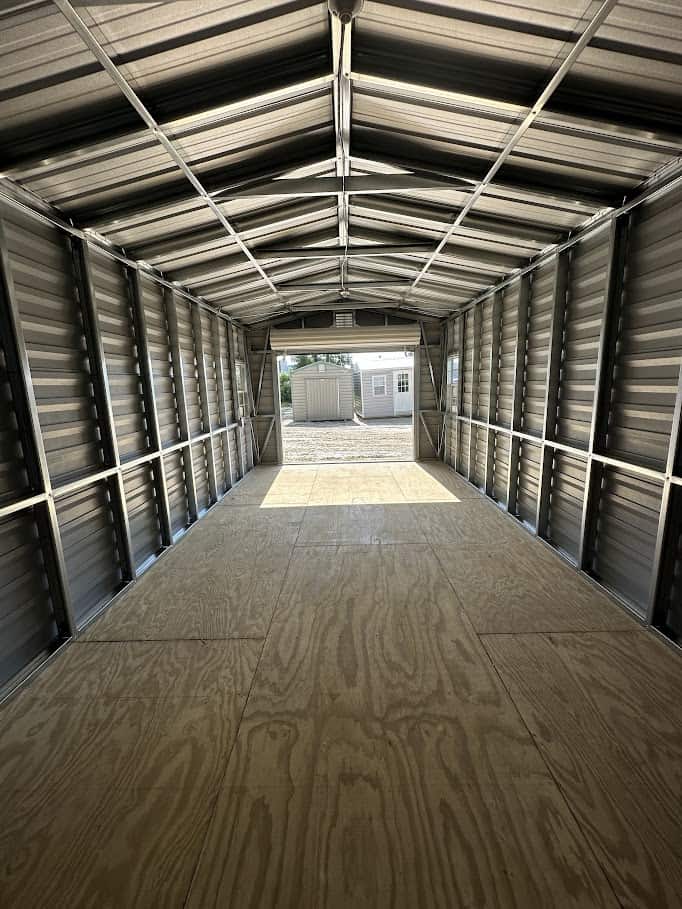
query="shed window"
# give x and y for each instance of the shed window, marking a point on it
(378, 386)
(403, 382)
(240, 369)
(453, 377)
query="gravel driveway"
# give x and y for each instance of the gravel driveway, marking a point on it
(359, 440)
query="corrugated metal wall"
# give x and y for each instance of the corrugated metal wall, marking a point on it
(429, 390)
(117, 429)
(565, 406)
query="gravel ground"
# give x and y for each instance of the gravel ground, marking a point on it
(361, 440)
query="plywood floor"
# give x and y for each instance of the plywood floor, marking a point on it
(349, 686)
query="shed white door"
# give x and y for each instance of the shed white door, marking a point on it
(322, 398)
(402, 391)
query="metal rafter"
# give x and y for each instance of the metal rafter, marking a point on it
(341, 56)
(133, 98)
(520, 131)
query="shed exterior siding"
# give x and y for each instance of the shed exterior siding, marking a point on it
(312, 373)
(371, 406)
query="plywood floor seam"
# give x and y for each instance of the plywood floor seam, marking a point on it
(350, 685)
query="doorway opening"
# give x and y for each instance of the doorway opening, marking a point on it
(341, 407)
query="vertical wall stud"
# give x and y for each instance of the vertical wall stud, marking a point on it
(231, 353)
(608, 337)
(151, 411)
(181, 399)
(26, 408)
(475, 366)
(278, 408)
(102, 392)
(493, 375)
(518, 389)
(222, 398)
(416, 403)
(554, 355)
(252, 406)
(460, 390)
(203, 392)
(664, 518)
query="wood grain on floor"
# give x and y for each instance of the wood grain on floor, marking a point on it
(606, 712)
(297, 707)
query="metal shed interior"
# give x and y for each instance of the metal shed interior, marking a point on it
(180, 184)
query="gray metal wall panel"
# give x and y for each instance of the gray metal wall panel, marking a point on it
(206, 320)
(468, 364)
(464, 449)
(481, 409)
(480, 456)
(160, 351)
(224, 353)
(584, 311)
(27, 623)
(143, 516)
(650, 336)
(601, 485)
(623, 551)
(112, 297)
(505, 380)
(668, 615)
(528, 482)
(90, 547)
(14, 482)
(195, 416)
(177, 491)
(539, 322)
(200, 462)
(44, 282)
(219, 460)
(566, 502)
(501, 467)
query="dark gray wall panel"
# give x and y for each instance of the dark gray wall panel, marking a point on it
(528, 480)
(464, 447)
(668, 615)
(44, 282)
(583, 319)
(14, 482)
(90, 547)
(112, 299)
(189, 363)
(623, 550)
(468, 365)
(537, 350)
(177, 490)
(27, 624)
(480, 453)
(650, 336)
(507, 354)
(566, 502)
(481, 409)
(206, 320)
(143, 516)
(201, 475)
(220, 460)
(160, 352)
(500, 466)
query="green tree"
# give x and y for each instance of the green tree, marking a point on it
(340, 359)
(285, 388)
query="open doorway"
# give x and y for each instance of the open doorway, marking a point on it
(347, 407)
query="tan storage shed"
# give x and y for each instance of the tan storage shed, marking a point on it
(322, 391)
